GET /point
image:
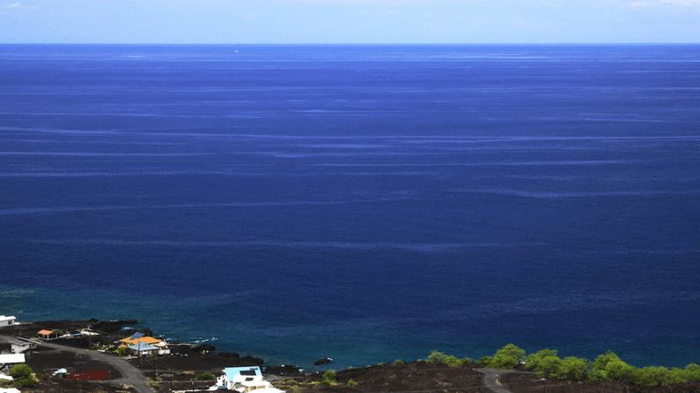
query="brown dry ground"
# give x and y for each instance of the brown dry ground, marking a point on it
(45, 361)
(412, 377)
(213, 362)
(65, 386)
(528, 383)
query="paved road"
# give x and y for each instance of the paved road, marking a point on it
(492, 379)
(130, 374)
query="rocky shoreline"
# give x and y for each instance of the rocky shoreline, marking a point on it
(192, 366)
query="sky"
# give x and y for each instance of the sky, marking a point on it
(349, 21)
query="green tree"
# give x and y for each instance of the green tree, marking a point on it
(21, 371)
(534, 361)
(609, 367)
(692, 372)
(650, 377)
(550, 367)
(572, 369)
(508, 357)
(23, 376)
(352, 383)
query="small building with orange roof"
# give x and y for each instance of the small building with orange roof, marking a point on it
(46, 334)
(140, 343)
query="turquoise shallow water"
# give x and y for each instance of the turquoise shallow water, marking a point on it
(363, 203)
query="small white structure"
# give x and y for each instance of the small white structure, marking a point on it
(7, 321)
(20, 346)
(15, 358)
(244, 380)
(11, 390)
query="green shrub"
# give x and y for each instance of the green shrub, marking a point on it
(609, 367)
(23, 376)
(352, 383)
(399, 362)
(485, 360)
(650, 377)
(328, 378)
(692, 372)
(438, 357)
(26, 382)
(549, 367)
(572, 369)
(508, 357)
(21, 371)
(206, 376)
(534, 361)
(122, 351)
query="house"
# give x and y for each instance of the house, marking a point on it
(244, 380)
(141, 338)
(12, 359)
(46, 334)
(141, 349)
(7, 321)
(20, 346)
(11, 390)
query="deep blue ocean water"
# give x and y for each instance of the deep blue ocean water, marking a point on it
(364, 203)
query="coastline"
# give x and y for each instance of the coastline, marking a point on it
(193, 367)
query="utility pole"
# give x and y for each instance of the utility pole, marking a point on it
(155, 373)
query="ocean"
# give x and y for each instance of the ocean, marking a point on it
(366, 203)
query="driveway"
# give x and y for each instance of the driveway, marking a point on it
(492, 379)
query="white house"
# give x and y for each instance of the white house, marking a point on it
(11, 390)
(20, 346)
(142, 349)
(244, 380)
(7, 321)
(15, 358)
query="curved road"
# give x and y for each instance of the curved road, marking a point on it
(130, 374)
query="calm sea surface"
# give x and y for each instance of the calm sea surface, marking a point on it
(364, 203)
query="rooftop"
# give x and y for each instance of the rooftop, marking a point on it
(140, 339)
(14, 358)
(241, 373)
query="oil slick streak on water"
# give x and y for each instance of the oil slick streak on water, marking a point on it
(364, 203)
